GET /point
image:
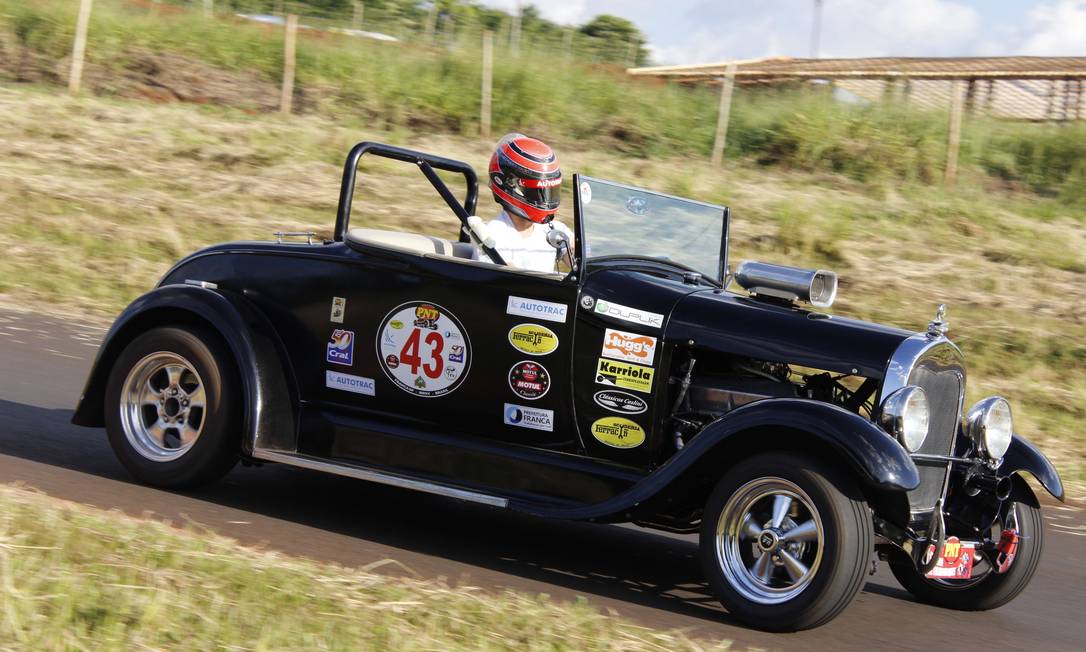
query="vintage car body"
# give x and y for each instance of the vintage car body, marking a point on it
(521, 408)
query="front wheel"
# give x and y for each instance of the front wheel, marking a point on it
(785, 542)
(987, 589)
(172, 412)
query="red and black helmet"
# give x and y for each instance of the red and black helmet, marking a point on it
(525, 177)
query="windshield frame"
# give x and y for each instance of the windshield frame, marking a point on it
(579, 223)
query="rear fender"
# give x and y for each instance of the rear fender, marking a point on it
(268, 385)
(1024, 457)
(881, 465)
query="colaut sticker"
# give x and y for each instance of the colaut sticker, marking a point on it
(546, 310)
(617, 432)
(630, 347)
(533, 339)
(632, 315)
(626, 376)
(528, 417)
(529, 380)
(621, 402)
(341, 348)
(413, 349)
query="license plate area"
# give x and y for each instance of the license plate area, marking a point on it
(956, 562)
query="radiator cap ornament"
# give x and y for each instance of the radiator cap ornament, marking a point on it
(939, 326)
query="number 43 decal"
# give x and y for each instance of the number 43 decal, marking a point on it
(423, 349)
(409, 354)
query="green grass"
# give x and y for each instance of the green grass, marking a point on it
(74, 577)
(435, 89)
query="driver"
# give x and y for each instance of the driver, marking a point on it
(526, 181)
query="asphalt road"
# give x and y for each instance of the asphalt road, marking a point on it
(649, 577)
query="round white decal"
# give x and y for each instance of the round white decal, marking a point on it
(423, 349)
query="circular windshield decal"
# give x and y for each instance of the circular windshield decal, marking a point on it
(423, 349)
(637, 205)
(586, 193)
(529, 380)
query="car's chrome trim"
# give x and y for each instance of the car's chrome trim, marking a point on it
(927, 457)
(350, 471)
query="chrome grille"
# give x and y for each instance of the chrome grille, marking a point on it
(944, 385)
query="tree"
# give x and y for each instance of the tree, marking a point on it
(615, 40)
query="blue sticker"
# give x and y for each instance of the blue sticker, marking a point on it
(341, 348)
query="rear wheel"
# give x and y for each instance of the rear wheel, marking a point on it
(986, 589)
(785, 542)
(172, 414)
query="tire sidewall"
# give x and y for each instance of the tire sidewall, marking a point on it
(217, 448)
(835, 581)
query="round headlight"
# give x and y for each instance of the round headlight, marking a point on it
(991, 426)
(905, 415)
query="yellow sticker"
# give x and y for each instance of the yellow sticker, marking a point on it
(533, 339)
(617, 432)
(624, 375)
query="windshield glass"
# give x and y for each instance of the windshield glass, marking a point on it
(624, 221)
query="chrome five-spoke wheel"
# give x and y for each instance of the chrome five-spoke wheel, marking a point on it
(163, 405)
(769, 540)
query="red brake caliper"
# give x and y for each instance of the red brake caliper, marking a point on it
(1006, 549)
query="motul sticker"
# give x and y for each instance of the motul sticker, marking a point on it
(529, 380)
(617, 432)
(626, 376)
(956, 562)
(630, 347)
(632, 315)
(414, 351)
(533, 339)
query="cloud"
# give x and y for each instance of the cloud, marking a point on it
(1055, 29)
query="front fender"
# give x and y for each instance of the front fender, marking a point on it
(1023, 456)
(267, 382)
(877, 460)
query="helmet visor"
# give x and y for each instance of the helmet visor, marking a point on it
(540, 193)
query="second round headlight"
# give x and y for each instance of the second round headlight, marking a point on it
(991, 426)
(905, 415)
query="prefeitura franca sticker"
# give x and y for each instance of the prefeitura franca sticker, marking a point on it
(423, 349)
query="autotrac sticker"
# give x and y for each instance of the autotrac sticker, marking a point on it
(630, 347)
(349, 383)
(529, 380)
(423, 349)
(529, 417)
(626, 376)
(341, 348)
(546, 310)
(533, 339)
(621, 402)
(339, 308)
(617, 432)
(632, 315)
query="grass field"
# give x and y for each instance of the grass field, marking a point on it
(100, 197)
(73, 577)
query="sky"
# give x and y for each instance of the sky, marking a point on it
(708, 31)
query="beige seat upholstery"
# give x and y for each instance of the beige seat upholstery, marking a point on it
(415, 242)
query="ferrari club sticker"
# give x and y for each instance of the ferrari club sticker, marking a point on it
(617, 432)
(533, 339)
(423, 349)
(529, 380)
(626, 376)
(956, 562)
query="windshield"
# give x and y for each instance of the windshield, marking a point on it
(623, 221)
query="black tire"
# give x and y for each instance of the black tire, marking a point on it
(216, 447)
(833, 580)
(993, 589)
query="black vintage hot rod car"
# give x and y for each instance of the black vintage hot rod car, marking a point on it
(634, 387)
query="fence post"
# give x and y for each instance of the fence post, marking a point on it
(724, 114)
(209, 8)
(488, 82)
(954, 137)
(287, 96)
(359, 13)
(79, 48)
(567, 44)
(514, 30)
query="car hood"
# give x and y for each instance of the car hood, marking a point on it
(736, 325)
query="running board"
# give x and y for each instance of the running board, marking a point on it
(361, 473)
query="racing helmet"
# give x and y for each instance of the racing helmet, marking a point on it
(525, 177)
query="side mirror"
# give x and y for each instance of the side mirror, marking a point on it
(559, 241)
